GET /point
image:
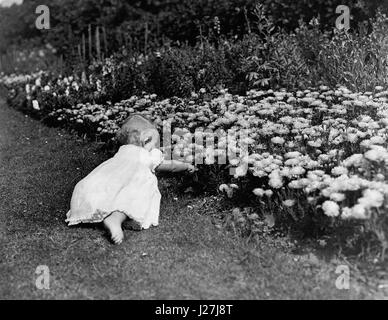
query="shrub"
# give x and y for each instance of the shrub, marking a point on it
(357, 60)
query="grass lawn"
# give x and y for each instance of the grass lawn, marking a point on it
(186, 257)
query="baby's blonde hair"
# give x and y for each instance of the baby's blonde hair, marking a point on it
(139, 131)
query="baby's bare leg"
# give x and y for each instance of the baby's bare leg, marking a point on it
(113, 224)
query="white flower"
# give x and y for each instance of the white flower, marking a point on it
(352, 137)
(75, 85)
(240, 171)
(354, 160)
(288, 203)
(35, 105)
(371, 199)
(315, 144)
(311, 199)
(339, 171)
(223, 187)
(359, 212)
(275, 179)
(346, 213)
(292, 162)
(293, 154)
(277, 140)
(330, 208)
(337, 197)
(296, 171)
(377, 153)
(258, 192)
(295, 184)
(377, 140)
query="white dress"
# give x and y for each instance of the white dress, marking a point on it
(124, 183)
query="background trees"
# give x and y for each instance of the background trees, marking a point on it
(159, 20)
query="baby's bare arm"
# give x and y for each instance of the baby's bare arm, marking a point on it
(174, 166)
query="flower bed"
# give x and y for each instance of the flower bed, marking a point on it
(320, 152)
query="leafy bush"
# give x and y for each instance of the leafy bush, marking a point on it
(357, 60)
(146, 24)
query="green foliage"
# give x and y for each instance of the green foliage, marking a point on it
(265, 58)
(143, 24)
(357, 60)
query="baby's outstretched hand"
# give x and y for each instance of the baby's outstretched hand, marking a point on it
(191, 168)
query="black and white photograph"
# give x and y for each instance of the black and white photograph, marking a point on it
(195, 154)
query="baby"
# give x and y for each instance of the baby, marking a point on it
(125, 186)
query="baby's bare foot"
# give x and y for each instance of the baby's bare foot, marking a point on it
(113, 224)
